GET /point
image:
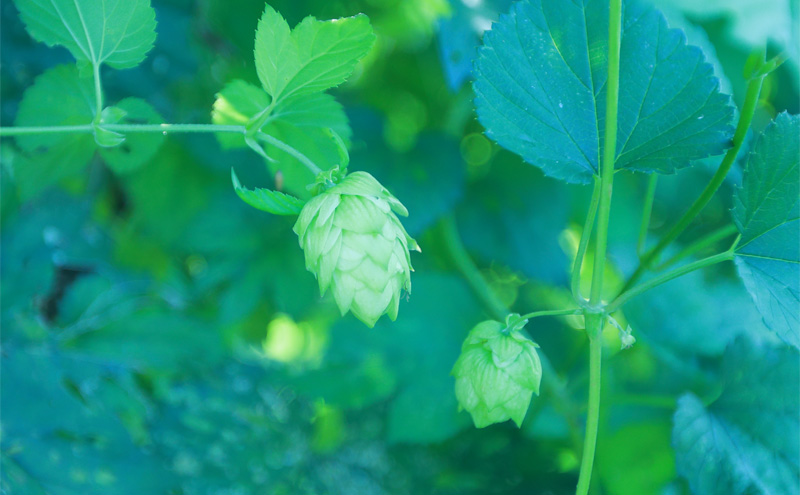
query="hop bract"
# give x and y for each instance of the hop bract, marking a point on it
(354, 244)
(497, 373)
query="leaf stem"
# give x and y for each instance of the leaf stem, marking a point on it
(291, 150)
(649, 197)
(699, 245)
(586, 235)
(98, 92)
(672, 274)
(745, 119)
(552, 312)
(458, 253)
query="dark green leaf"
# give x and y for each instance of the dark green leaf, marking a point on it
(314, 56)
(694, 315)
(274, 202)
(116, 32)
(745, 442)
(540, 86)
(767, 213)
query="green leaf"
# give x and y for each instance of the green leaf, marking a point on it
(57, 97)
(274, 202)
(314, 56)
(116, 32)
(767, 213)
(540, 86)
(139, 147)
(303, 122)
(745, 442)
(677, 315)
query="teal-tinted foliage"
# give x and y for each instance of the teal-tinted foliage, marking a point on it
(162, 334)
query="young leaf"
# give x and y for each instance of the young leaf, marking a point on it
(540, 86)
(116, 32)
(313, 57)
(139, 147)
(746, 440)
(767, 213)
(274, 202)
(302, 122)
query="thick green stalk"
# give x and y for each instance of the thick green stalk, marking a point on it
(745, 119)
(672, 274)
(586, 234)
(595, 321)
(649, 197)
(593, 412)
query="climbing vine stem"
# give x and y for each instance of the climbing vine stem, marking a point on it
(595, 321)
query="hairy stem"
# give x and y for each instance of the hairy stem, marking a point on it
(672, 274)
(124, 128)
(586, 234)
(745, 119)
(649, 197)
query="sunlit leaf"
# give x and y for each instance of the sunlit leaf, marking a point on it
(541, 90)
(314, 56)
(116, 32)
(746, 440)
(767, 213)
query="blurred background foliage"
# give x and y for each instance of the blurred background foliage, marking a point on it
(160, 336)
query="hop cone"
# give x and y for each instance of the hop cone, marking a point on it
(356, 246)
(497, 373)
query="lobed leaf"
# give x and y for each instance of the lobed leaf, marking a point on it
(274, 202)
(314, 56)
(116, 32)
(746, 440)
(541, 90)
(767, 214)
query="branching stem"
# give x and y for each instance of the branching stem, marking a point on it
(586, 234)
(745, 119)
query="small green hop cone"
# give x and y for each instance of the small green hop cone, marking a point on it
(497, 372)
(356, 246)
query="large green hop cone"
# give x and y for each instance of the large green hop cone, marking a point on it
(497, 372)
(356, 246)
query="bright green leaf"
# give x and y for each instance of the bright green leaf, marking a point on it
(274, 202)
(637, 459)
(139, 147)
(767, 213)
(745, 442)
(541, 82)
(314, 56)
(116, 32)
(303, 122)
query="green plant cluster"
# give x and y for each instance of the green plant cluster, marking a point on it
(623, 176)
